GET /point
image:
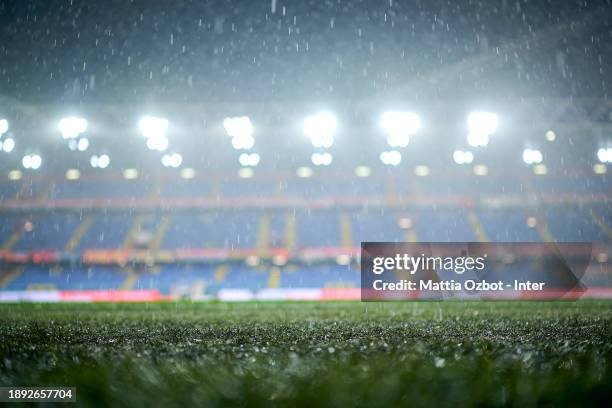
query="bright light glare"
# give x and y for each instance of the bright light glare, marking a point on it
(153, 127)
(172, 160)
(240, 126)
(8, 145)
(243, 142)
(101, 161)
(477, 139)
(71, 127)
(463, 157)
(83, 144)
(532, 156)
(605, 155)
(482, 123)
(321, 159)
(391, 158)
(247, 159)
(31, 161)
(399, 126)
(159, 143)
(320, 128)
(4, 125)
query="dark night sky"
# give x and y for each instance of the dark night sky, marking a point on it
(62, 51)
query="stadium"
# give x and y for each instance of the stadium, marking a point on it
(190, 197)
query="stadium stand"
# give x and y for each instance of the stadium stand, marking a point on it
(195, 238)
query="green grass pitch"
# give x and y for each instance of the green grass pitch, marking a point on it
(314, 354)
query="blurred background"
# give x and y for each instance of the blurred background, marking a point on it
(202, 151)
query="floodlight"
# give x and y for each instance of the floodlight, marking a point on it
(463, 157)
(531, 156)
(82, 144)
(320, 128)
(321, 159)
(159, 143)
(400, 123)
(240, 126)
(71, 127)
(172, 160)
(605, 155)
(4, 125)
(245, 142)
(103, 161)
(31, 161)
(391, 158)
(483, 123)
(8, 145)
(477, 139)
(153, 127)
(247, 159)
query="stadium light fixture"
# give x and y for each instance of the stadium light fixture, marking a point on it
(477, 139)
(172, 160)
(4, 126)
(320, 128)
(246, 159)
(532, 156)
(605, 155)
(71, 127)
(391, 158)
(399, 126)
(31, 161)
(363, 171)
(7, 145)
(550, 136)
(159, 143)
(240, 129)
(153, 126)
(73, 174)
(321, 159)
(14, 175)
(482, 123)
(463, 157)
(240, 126)
(101, 161)
(243, 142)
(82, 144)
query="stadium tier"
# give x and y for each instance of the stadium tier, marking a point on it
(202, 237)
